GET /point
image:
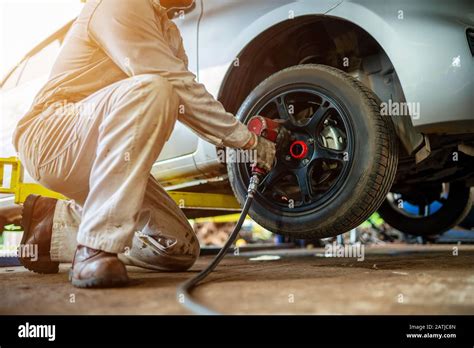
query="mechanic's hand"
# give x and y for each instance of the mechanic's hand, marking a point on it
(265, 151)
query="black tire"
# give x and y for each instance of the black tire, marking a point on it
(454, 209)
(373, 156)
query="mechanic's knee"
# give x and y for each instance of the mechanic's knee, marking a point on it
(164, 252)
(185, 255)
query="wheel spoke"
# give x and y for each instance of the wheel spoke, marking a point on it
(304, 183)
(284, 114)
(282, 108)
(318, 116)
(329, 154)
(273, 177)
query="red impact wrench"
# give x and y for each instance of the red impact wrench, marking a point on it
(271, 130)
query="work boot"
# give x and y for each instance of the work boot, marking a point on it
(37, 222)
(93, 268)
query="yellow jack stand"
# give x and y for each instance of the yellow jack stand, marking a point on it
(186, 200)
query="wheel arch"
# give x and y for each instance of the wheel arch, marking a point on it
(320, 39)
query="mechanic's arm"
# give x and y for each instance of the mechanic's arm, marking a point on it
(132, 35)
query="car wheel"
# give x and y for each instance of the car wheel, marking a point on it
(427, 209)
(350, 159)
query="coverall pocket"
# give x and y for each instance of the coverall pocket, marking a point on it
(47, 137)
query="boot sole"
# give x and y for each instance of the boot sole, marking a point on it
(91, 283)
(38, 266)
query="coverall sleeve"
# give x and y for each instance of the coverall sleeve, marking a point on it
(133, 35)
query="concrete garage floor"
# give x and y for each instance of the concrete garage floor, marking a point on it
(392, 279)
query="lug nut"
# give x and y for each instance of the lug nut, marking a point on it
(310, 140)
(305, 161)
(288, 157)
(298, 150)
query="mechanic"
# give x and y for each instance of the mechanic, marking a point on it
(93, 133)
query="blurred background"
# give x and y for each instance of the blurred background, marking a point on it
(21, 30)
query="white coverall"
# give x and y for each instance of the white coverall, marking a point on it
(100, 122)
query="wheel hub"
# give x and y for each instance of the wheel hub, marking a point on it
(299, 152)
(311, 166)
(299, 149)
